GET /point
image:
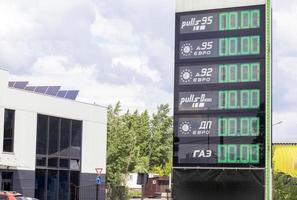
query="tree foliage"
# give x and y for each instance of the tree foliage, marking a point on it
(138, 142)
(284, 187)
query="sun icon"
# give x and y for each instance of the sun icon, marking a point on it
(185, 127)
(186, 49)
(186, 75)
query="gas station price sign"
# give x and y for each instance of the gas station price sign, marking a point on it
(220, 21)
(219, 73)
(219, 107)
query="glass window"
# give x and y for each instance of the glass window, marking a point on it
(7, 178)
(63, 184)
(76, 131)
(74, 164)
(74, 182)
(53, 136)
(53, 162)
(8, 139)
(42, 130)
(65, 137)
(52, 185)
(245, 19)
(40, 178)
(41, 161)
(64, 163)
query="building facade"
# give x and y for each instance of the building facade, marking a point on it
(49, 145)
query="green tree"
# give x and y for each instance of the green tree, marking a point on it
(284, 187)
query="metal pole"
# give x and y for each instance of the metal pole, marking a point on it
(142, 191)
(97, 192)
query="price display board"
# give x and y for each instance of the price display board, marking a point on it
(219, 107)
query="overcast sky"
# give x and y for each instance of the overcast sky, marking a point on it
(123, 50)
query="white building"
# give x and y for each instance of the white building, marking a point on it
(48, 144)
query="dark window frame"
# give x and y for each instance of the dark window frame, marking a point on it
(10, 129)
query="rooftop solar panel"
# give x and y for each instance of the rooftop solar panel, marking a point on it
(20, 84)
(71, 94)
(53, 90)
(62, 93)
(41, 89)
(11, 83)
(30, 88)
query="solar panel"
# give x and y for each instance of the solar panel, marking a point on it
(71, 94)
(41, 89)
(62, 93)
(20, 84)
(11, 83)
(30, 88)
(53, 90)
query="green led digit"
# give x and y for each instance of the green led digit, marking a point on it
(244, 153)
(232, 99)
(245, 45)
(244, 99)
(232, 153)
(255, 98)
(233, 20)
(244, 127)
(222, 99)
(254, 153)
(255, 44)
(233, 46)
(223, 47)
(245, 19)
(223, 21)
(223, 75)
(232, 73)
(222, 127)
(255, 19)
(245, 72)
(255, 72)
(222, 153)
(232, 127)
(255, 126)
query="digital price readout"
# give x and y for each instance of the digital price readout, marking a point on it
(220, 154)
(218, 100)
(225, 73)
(202, 126)
(220, 21)
(220, 47)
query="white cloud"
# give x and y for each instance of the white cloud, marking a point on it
(138, 65)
